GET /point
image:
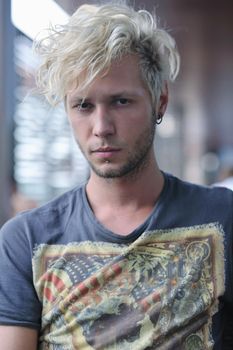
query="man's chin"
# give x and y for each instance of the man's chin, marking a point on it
(115, 172)
(107, 174)
(108, 171)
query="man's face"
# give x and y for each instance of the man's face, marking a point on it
(112, 121)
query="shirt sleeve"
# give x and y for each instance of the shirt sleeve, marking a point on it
(19, 304)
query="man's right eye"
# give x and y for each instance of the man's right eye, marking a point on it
(83, 106)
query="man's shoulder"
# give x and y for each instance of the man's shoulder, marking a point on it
(200, 199)
(59, 204)
(49, 216)
(191, 188)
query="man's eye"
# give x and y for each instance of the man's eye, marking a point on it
(122, 101)
(83, 106)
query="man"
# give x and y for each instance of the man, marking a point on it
(135, 259)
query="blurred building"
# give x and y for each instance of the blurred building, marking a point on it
(47, 161)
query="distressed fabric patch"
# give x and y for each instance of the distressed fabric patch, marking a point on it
(159, 292)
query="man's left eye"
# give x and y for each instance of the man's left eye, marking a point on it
(122, 101)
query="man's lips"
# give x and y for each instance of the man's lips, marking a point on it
(106, 149)
(105, 152)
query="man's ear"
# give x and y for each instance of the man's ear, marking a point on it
(163, 100)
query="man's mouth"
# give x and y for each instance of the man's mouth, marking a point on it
(106, 152)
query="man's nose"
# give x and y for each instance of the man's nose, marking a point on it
(103, 122)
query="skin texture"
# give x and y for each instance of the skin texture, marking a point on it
(18, 338)
(114, 124)
(113, 106)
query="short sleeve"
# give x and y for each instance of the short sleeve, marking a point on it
(19, 304)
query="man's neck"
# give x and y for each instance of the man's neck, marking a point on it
(121, 205)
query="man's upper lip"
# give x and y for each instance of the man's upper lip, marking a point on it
(106, 149)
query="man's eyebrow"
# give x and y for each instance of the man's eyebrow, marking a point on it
(117, 94)
(77, 99)
(123, 93)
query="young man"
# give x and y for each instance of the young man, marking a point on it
(135, 259)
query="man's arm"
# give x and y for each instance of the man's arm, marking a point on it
(18, 338)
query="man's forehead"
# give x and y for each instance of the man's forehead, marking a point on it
(80, 82)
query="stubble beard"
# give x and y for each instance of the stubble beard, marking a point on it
(136, 162)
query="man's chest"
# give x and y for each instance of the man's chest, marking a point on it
(158, 292)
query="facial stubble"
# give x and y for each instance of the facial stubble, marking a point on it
(136, 161)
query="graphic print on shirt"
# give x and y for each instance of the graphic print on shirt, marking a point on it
(157, 293)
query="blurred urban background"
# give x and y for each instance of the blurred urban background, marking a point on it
(38, 156)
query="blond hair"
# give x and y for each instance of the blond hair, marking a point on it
(94, 37)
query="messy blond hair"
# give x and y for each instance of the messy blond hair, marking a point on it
(94, 37)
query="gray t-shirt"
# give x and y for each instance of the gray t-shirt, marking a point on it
(166, 285)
